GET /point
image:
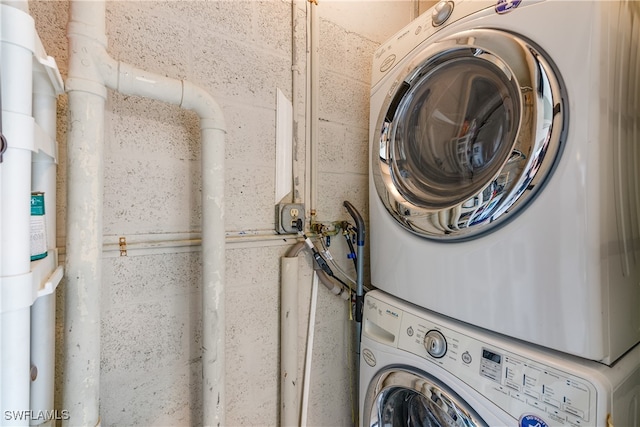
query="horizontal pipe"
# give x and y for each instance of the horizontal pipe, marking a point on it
(177, 240)
(154, 247)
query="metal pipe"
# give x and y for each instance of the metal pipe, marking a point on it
(360, 267)
(91, 71)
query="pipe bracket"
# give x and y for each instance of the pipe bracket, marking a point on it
(123, 246)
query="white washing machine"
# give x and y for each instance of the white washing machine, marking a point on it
(505, 170)
(421, 369)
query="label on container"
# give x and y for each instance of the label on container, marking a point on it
(38, 227)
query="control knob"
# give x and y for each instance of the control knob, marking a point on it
(441, 12)
(435, 343)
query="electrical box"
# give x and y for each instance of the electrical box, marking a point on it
(289, 218)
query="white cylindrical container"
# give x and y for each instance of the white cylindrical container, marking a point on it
(43, 179)
(43, 319)
(17, 36)
(44, 165)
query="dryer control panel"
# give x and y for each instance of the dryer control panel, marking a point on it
(513, 380)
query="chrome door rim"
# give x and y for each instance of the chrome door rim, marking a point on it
(522, 168)
(443, 403)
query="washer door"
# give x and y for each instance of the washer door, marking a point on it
(400, 397)
(468, 134)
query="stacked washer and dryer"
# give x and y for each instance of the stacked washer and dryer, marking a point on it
(505, 218)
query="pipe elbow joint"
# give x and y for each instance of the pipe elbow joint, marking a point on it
(197, 99)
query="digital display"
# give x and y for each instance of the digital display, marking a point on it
(491, 356)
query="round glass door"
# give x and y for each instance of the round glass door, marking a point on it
(470, 132)
(402, 398)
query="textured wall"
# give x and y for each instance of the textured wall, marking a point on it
(241, 52)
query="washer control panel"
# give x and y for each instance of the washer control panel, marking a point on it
(491, 365)
(517, 384)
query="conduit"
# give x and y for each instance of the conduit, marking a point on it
(289, 408)
(295, 82)
(312, 82)
(91, 72)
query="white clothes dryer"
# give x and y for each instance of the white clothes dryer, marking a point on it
(421, 369)
(505, 170)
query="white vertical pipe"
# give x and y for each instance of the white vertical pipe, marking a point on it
(17, 42)
(85, 176)
(83, 257)
(90, 70)
(213, 274)
(213, 249)
(311, 105)
(314, 122)
(295, 84)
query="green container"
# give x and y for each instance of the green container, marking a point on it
(38, 227)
